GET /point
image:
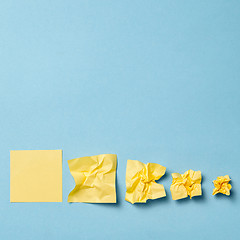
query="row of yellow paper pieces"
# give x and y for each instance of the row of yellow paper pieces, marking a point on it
(95, 181)
(37, 176)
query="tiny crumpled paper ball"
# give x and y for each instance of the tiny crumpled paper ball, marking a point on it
(222, 185)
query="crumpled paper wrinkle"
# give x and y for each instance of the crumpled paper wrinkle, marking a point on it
(140, 181)
(187, 184)
(222, 185)
(94, 178)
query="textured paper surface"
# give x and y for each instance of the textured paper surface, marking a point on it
(36, 176)
(94, 178)
(140, 181)
(222, 185)
(187, 184)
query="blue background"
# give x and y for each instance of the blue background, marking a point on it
(155, 81)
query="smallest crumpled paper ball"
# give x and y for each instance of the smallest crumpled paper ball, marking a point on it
(222, 185)
(187, 184)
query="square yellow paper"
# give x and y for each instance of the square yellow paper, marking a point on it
(95, 179)
(36, 176)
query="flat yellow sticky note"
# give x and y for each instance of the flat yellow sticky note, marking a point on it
(187, 184)
(36, 176)
(95, 179)
(140, 181)
(222, 185)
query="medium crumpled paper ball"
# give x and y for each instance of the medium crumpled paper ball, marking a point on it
(140, 181)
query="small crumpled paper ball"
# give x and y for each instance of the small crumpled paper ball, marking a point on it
(222, 185)
(187, 184)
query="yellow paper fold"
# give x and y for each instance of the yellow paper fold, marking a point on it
(187, 184)
(222, 185)
(140, 181)
(95, 179)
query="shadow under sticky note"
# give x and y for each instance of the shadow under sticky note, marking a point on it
(36, 176)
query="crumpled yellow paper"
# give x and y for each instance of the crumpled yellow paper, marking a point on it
(187, 184)
(140, 181)
(222, 185)
(95, 179)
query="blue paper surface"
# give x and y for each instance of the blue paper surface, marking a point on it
(156, 81)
